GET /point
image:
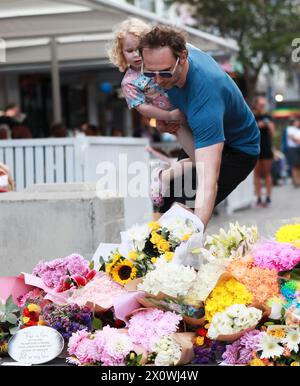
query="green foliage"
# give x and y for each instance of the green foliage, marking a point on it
(264, 29)
(9, 318)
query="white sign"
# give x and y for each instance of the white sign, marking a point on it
(35, 345)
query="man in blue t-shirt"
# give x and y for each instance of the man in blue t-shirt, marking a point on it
(226, 136)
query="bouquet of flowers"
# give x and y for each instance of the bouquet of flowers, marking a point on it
(289, 233)
(207, 351)
(67, 319)
(62, 274)
(277, 256)
(108, 347)
(159, 280)
(172, 350)
(261, 282)
(241, 350)
(233, 320)
(227, 292)
(32, 316)
(148, 324)
(278, 346)
(236, 242)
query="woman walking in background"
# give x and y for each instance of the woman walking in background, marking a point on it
(293, 145)
(263, 169)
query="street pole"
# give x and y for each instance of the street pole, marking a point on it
(56, 97)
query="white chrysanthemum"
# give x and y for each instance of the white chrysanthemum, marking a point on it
(138, 235)
(270, 347)
(292, 340)
(119, 345)
(158, 280)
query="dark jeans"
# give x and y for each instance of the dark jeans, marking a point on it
(235, 167)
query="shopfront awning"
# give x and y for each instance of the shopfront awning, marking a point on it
(81, 29)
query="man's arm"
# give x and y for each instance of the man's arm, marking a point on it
(208, 162)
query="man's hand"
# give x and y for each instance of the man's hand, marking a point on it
(167, 127)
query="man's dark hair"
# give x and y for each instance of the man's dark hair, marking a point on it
(10, 106)
(164, 36)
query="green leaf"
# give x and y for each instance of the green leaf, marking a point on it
(97, 324)
(11, 306)
(13, 330)
(11, 318)
(92, 264)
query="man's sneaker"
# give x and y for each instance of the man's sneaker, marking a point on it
(268, 202)
(259, 202)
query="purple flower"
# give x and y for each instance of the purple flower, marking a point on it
(67, 319)
(240, 351)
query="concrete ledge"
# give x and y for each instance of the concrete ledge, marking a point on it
(44, 223)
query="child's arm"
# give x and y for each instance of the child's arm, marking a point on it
(150, 111)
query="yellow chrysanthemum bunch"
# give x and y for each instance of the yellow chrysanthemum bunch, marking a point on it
(289, 234)
(224, 295)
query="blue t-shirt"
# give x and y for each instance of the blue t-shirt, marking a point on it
(214, 106)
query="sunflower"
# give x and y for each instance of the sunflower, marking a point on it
(123, 272)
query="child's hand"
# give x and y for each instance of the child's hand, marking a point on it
(176, 115)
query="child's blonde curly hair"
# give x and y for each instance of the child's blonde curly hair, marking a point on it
(132, 26)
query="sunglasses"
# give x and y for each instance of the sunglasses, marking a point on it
(162, 74)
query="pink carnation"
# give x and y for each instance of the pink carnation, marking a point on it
(278, 256)
(53, 272)
(152, 323)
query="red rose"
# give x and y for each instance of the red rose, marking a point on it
(26, 312)
(201, 332)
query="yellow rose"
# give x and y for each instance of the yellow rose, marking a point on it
(168, 256)
(156, 238)
(34, 308)
(295, 364)
(199, 341)
(25, 319)
(41, 321)
(133, 255)
(153, 225)
(153, 260)
(163, 245)
(257, 362)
